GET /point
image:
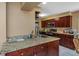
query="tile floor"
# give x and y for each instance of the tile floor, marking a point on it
(63, 51)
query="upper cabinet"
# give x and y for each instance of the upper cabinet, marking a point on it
(43, 24)
(65, 21)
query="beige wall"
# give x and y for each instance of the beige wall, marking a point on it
(78, 23)
(19, 22)
(75, 21)
(2, 22)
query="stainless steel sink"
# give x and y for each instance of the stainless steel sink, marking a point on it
(44, 36)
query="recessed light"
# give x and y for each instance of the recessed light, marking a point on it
(44, 2)
(42, 15)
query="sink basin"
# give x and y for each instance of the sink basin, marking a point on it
(14, 41)
(44, 36)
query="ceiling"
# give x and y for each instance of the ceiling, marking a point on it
(51, 8)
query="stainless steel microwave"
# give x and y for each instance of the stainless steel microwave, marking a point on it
(52, 24)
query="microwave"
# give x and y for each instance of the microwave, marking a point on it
(49, 25)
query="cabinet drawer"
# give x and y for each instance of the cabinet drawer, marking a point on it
(69, 36)
(21, 52)
(26, 52)
(14, 53)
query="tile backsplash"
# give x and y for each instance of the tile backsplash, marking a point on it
(58, 29)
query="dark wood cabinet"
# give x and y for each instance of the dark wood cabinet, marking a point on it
(65, 21)
(62, 39)
(57, 24)
(67, 41)
(53, 48)
(21, 52)
(43, 24)
(27, 52)
(68, 21)
(46, 49)
(46, 23)
(62, 22)
(40, 50)
(14, 53)
(54, 22)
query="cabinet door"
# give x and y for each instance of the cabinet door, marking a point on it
(54, 22)
(53, 48)
(69, 42)
(71, 45)
(62, 21)
(40, 50)
(68, 21)
(65, 21)
(43, 24)
(57, 23)
(62, 38)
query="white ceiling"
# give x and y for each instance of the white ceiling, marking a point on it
(51, 8)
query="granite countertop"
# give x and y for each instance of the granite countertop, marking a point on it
(9, 47)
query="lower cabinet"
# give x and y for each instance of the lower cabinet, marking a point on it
(46, 49)
(27, 52)
(67, 41)
(21, 52)
(53, 48)
(40, 50)
(14, 53)
(62, 39)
